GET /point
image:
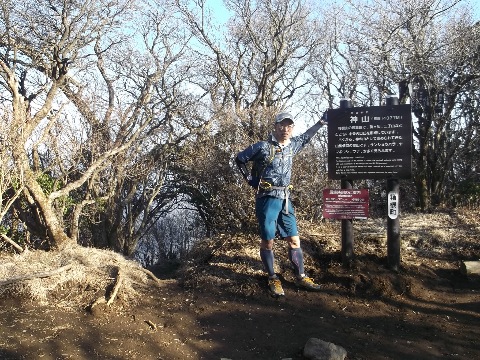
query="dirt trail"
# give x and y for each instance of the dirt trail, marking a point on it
(216, 305)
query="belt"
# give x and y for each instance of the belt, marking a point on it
(266, 186)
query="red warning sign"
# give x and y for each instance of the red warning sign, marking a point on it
(345, 203)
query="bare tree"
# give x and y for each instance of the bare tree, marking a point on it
(37, 51)
(260, 58)
(254, 66)
(11, 180)
(98, 106)
(142, 193)
(429, 45)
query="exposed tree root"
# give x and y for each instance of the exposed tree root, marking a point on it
(35, 276)
(151, 324)
(113, 294)
(152, 276)
(118, 283)
(11, 242)
(100, 300)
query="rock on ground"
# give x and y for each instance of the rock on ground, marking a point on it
(316, 349)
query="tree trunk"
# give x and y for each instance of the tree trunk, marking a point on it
(55, 233)
(421, 185)
(423, 170)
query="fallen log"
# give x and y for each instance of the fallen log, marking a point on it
(35, 276)
(470, 267)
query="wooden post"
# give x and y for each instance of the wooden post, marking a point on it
(393, 209)
(393, 224)
(347, 231)
(347, 224)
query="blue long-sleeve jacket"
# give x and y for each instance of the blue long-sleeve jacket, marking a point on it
(277, 171)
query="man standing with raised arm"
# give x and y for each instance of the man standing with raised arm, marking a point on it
(270, 176)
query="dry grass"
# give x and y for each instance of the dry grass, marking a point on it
(451, 236)
(91, 274)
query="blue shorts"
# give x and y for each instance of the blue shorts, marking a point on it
(271, 218)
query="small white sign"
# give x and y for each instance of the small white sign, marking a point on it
(393, 205)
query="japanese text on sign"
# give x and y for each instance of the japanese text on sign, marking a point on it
(370, 142)
(392, 205)
(345, 204)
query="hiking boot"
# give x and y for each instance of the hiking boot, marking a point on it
(275, 286)
(307, 283)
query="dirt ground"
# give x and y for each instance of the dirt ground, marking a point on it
(216, 305)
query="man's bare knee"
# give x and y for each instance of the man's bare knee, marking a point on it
(293, 241)
(266, 244)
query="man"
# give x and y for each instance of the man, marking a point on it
(270, 175)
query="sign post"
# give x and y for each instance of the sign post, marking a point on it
(393, 224)
(347, 224)
(371, 143)
(393, 221)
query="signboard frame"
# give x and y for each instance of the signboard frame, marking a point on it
(370, 142)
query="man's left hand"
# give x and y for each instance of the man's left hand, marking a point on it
(324, 118)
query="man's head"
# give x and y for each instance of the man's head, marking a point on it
(283, 127)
